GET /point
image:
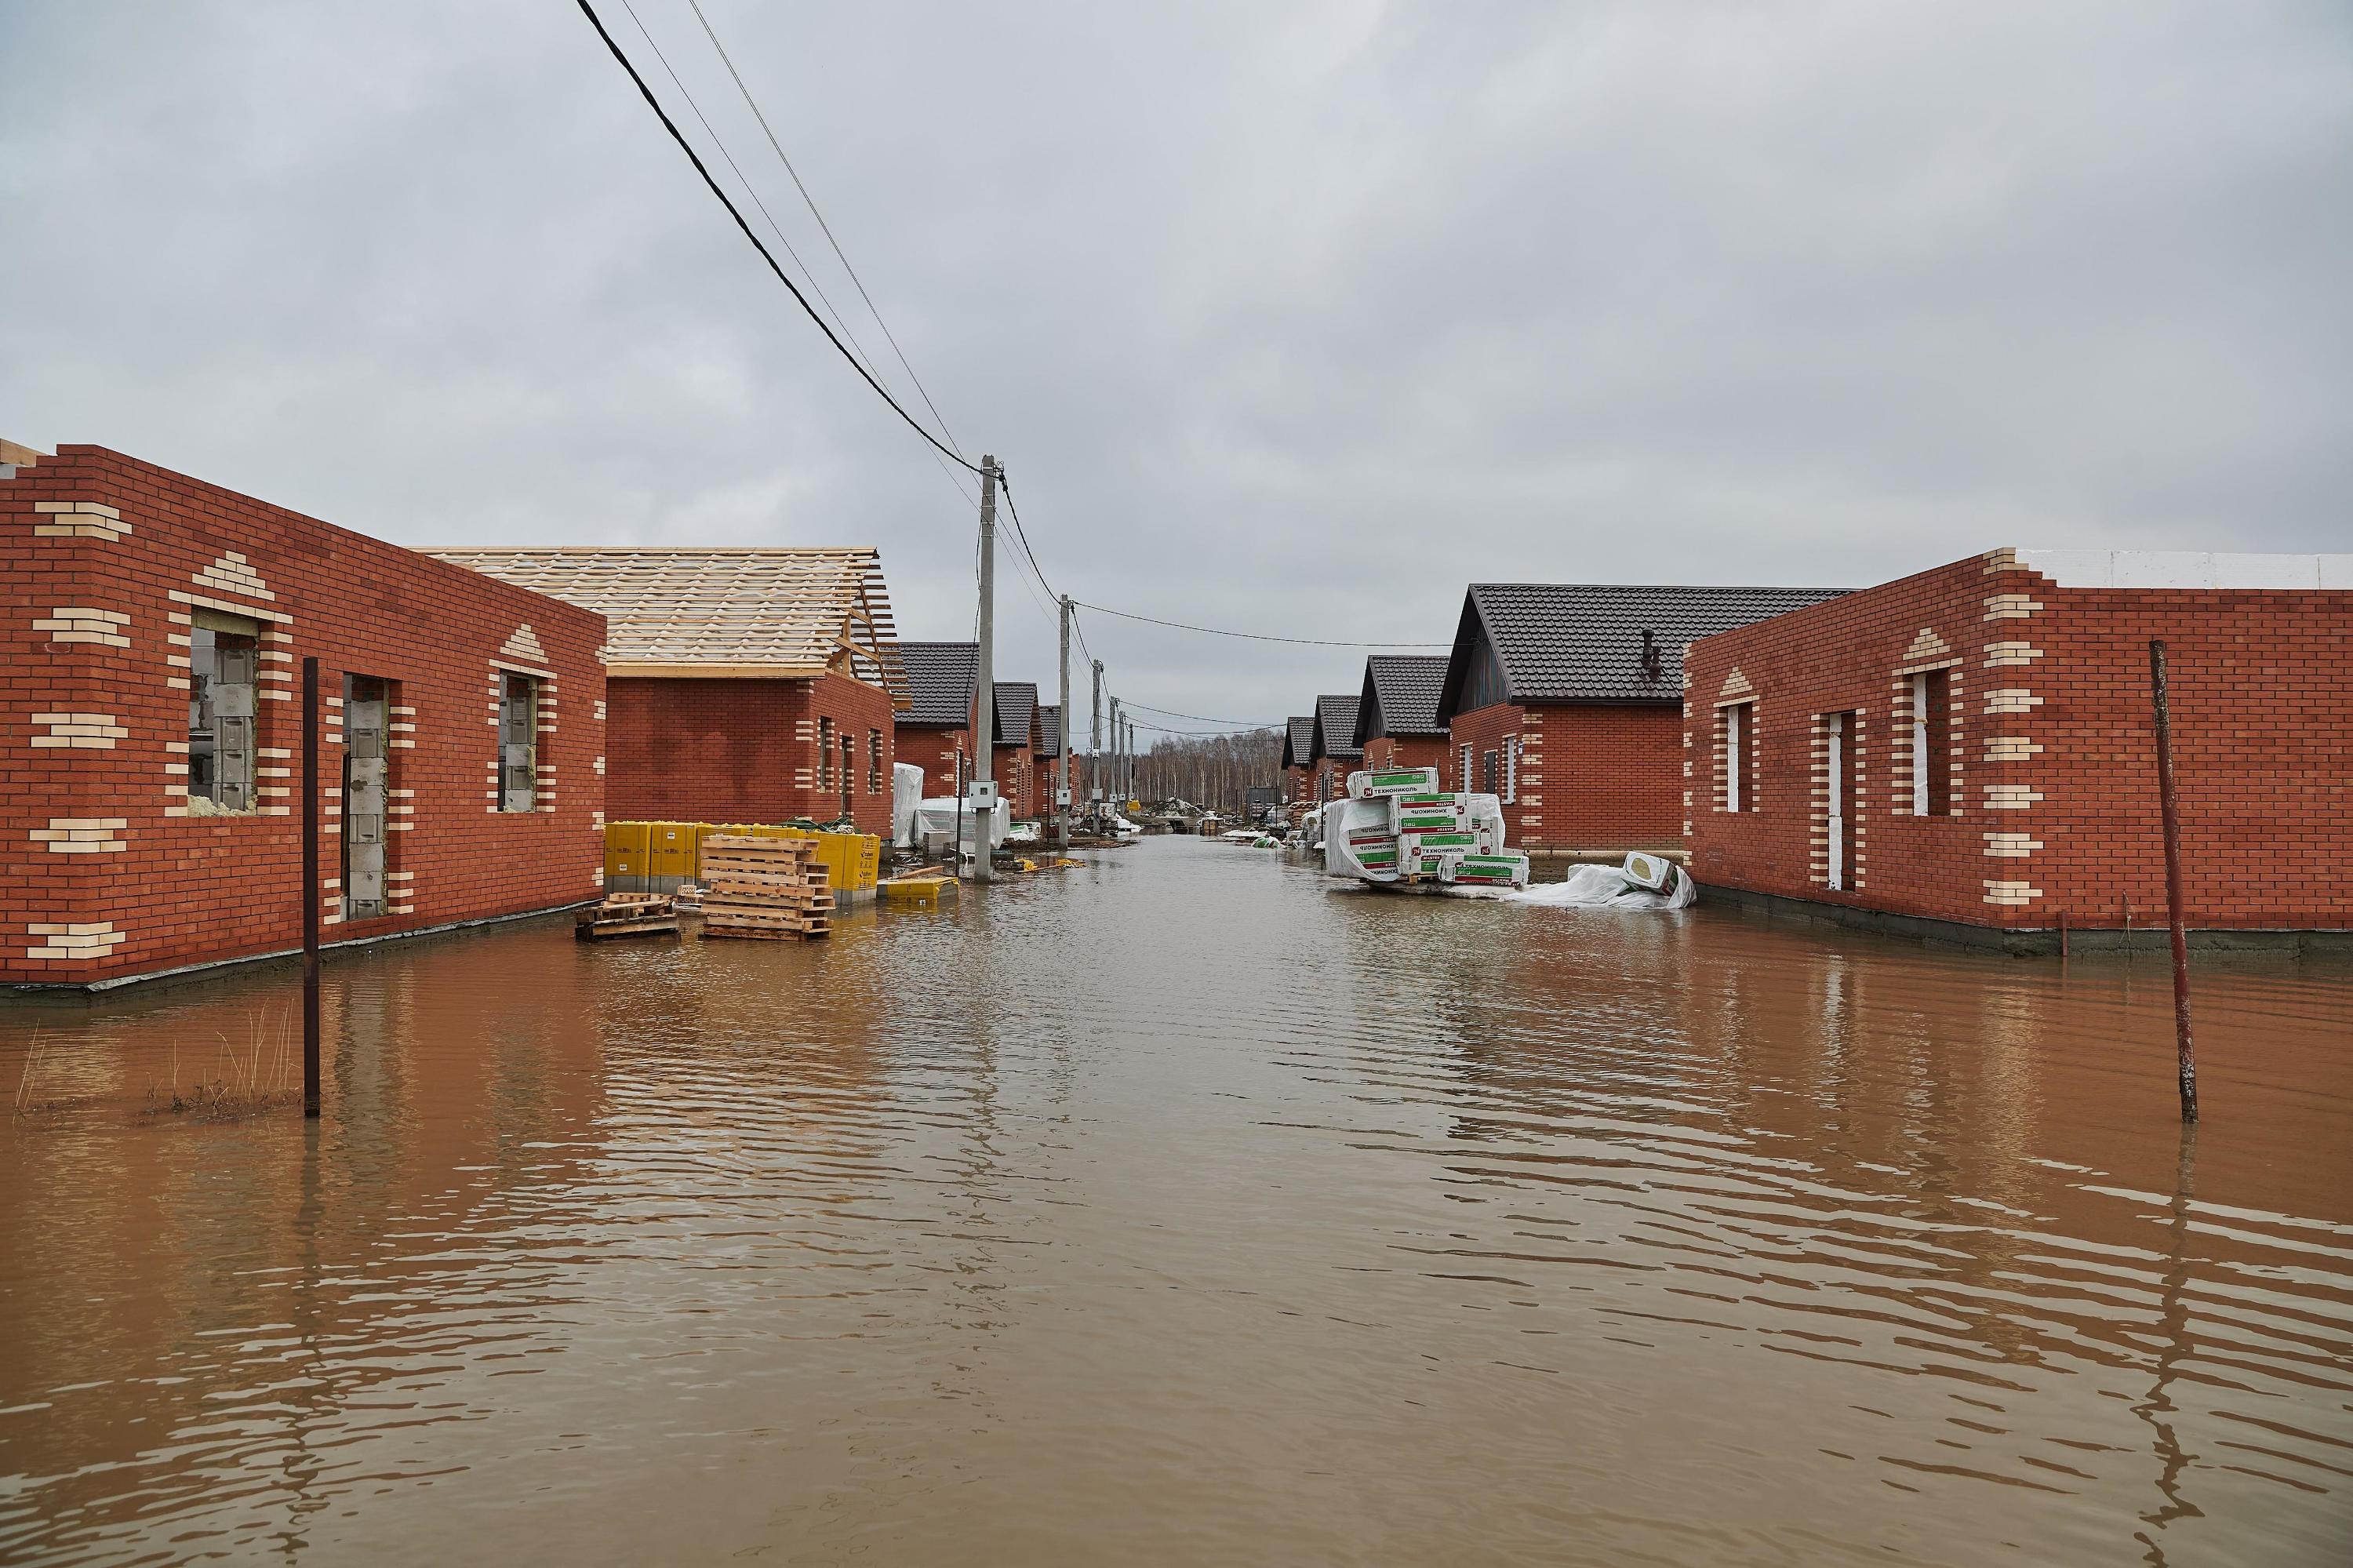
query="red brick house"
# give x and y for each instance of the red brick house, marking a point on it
(753, 685)
(1334, 753)
(934, 729)
(1015, 767)
(1969, 752)
(1045, 753)
(151, 712)
(1565, 700)
(1397, 712)
(1298, 746)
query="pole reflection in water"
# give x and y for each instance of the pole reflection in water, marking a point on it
(1186, 1207)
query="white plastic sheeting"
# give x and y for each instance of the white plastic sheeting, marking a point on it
(936, 824)
(1608, 887)
(906, 799)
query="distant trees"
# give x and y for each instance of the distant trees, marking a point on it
(1210, 769)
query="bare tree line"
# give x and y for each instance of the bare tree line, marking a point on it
(1210, 769)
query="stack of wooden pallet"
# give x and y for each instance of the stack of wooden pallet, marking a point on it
(626, 914)
(770, 889)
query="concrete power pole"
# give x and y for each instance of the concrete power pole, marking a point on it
(1111, 779)
(984, 696)
(1094, 749)
(1063, 751)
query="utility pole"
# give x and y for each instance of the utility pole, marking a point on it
(1062, 750)
(1094, 749)
(1111, 780)
(983, 695)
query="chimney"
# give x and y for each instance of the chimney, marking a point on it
(1650, 667)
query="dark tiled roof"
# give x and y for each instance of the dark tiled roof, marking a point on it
(1400, 696)
(1299, 742)
(1569, 643)
(1017, 703)
(939, 678)
(1050, 731)
(1336, 730)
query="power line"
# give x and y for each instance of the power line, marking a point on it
(749, 190)
(802, 300)
(1165, 729)
(1205, 718)
(1253, 635)
(754, 105)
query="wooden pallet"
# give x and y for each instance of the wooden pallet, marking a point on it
(626, 914)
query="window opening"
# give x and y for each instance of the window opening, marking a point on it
(1739, 754)
(224, 657)
(874, 762)
(1931, 717)
(849, 770)
(1463, 774)
(1839, 798)
(366, 780)
(825, 754)
(518, 743)
(1487, 774)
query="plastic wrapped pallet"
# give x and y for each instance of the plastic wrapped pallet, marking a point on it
(1503, 868)
(1360, 839)
(906, 803)
(1374, 783)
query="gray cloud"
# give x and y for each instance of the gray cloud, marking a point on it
(1289, 318)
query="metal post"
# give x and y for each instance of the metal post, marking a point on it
(1062, 749)
(309, 886)
(984, 698)
(2171, 803)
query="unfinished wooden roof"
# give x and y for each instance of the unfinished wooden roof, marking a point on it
(774, 612)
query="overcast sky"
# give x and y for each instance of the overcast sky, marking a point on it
(1288, 318)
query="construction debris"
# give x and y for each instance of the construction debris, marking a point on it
(627, 915)
(767, 889)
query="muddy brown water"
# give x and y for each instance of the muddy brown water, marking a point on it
(1180, 1209)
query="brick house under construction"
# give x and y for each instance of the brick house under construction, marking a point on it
(935, 726)
(153, 632)
(1334, 753)
(1565, 700)
(1969, 752)
(1298, 768)
(747, 685)
(1397, 713)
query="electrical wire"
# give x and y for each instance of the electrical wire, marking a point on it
(1205, 718)
(753, 104)
(732, 211)
(1251, 636)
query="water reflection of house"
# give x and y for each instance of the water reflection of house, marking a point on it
(1969, 752)
(747, 685)
(154, 636)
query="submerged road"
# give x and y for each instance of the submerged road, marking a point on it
(1185, 1208)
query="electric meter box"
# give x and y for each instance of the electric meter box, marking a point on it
(980, 794)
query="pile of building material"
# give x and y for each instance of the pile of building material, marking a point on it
(1396, 827)
(771, 889)
(626, 914)
(1645, 882)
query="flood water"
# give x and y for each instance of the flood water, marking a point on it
(1183, 1209)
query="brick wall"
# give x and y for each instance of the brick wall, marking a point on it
(747, 750)
(936, 752)
(1592, 777)
(2046, 750)
(1015, 769)
(1408, 751)
(107, 559)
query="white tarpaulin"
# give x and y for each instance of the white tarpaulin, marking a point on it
(1608, 887)
(906, 797)
(936, 822)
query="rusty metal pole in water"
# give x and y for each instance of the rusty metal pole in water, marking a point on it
(310, 886)
(2171, 803)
